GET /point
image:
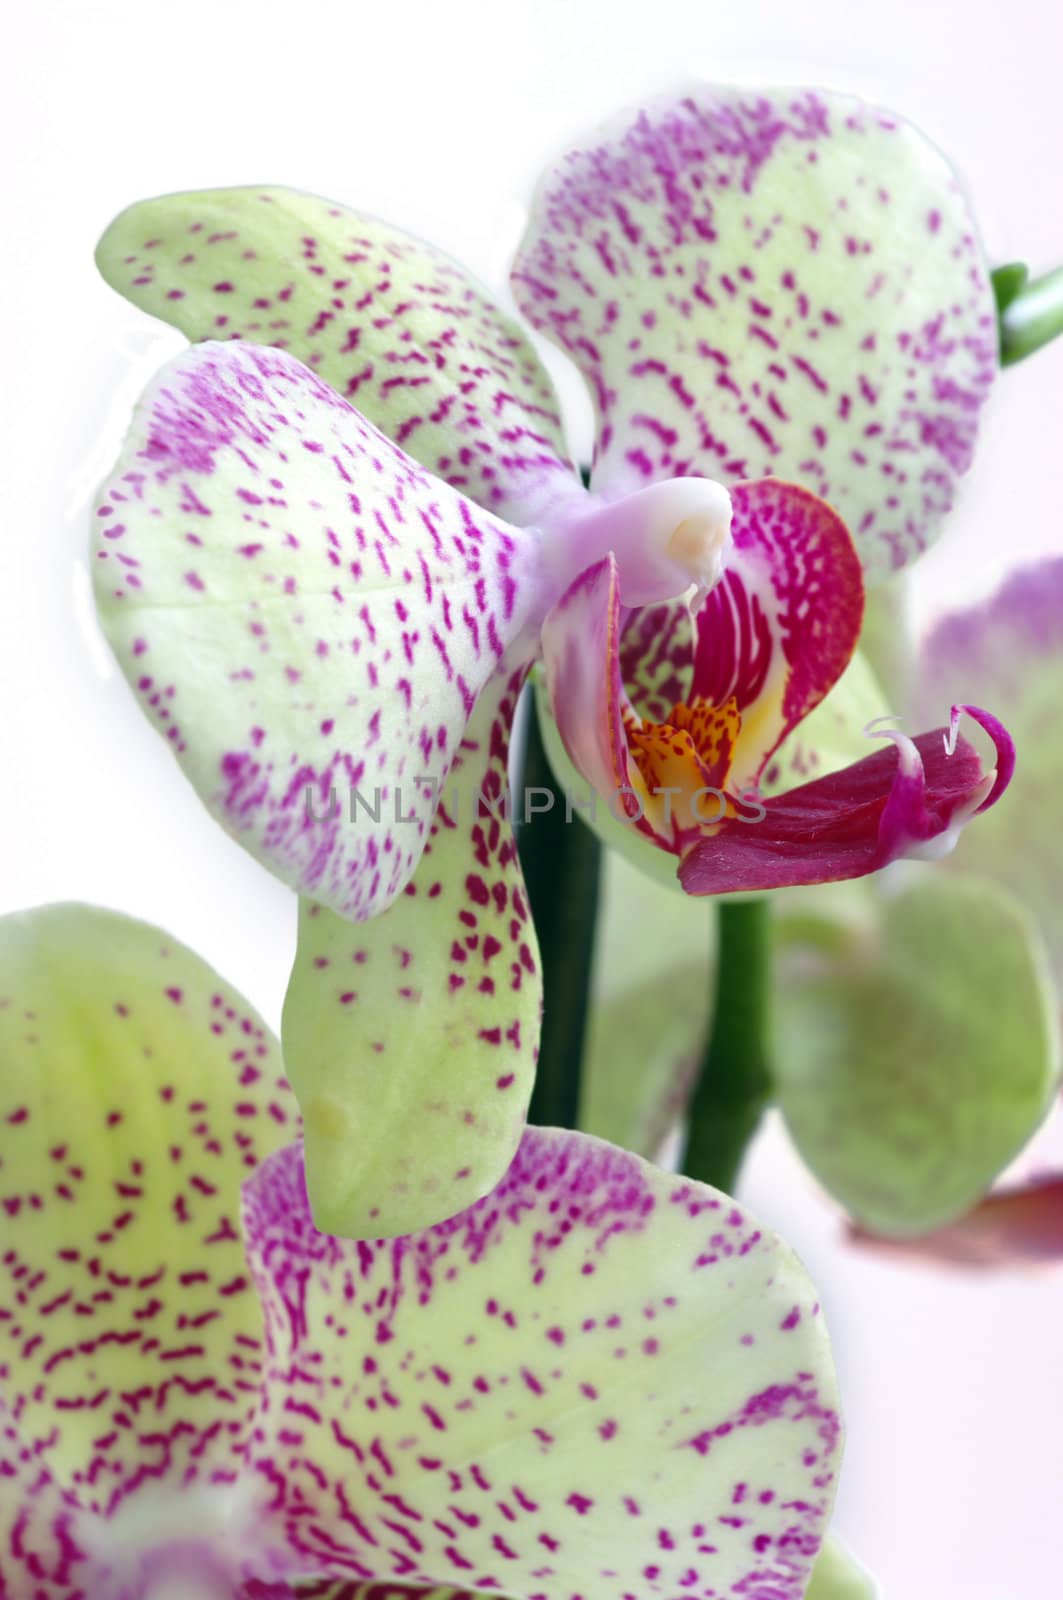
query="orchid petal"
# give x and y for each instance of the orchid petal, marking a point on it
(411, 1040)
(580, 641)
(137, 1093)
(1011, 648)
(832, 736)
(600, 1380)
(597, 810)
(329, 1590)
(771, 281)
(912, 1065)
(388, 321)
(1014, 1227)
(306, 615)
(780, 627)
(910, 800)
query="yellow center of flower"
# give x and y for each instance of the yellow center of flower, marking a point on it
(684, 763)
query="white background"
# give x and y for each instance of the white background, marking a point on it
(438, 116)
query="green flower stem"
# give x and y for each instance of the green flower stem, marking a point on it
(561, 860)
(1030, 313)
(734, 1087)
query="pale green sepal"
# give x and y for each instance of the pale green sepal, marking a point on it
(913, 1062)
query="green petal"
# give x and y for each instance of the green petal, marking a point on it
(916, 1058)
(393, 324)
(411, 1039)
(837, 1576)
(138, 1092)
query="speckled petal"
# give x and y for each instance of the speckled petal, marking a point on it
(391, 323)
(771, 281)
(599, 1381)
(328, 1590)
(912, 800)
(1008, 652)
(306, 615)
(411, 1040)
(138, 1090)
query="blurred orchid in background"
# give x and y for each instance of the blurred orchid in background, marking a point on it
(1011, 646)
(599, 1380)
(777, 283)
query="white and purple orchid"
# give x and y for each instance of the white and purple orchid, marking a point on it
(599, 1381)
(314, 600)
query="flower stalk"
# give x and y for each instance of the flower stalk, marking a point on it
(733, 1088)
(1030, 312)
(561, 861)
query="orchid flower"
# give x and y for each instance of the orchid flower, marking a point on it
(782, 283)
(600, 1380)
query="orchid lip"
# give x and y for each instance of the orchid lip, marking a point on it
(669, 540)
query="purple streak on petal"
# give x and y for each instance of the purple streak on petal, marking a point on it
(581, 653)
(780, 627)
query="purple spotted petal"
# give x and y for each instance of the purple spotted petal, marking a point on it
(771, 282)
(411, 1040)
(600, 1380)
(328, 1590)
(138, 1091)
(307, 616)
(391, 323)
